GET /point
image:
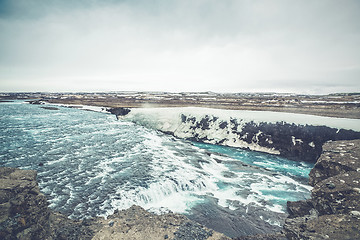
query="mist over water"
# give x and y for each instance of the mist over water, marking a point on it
(90, 164)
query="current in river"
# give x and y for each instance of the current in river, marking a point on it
(90, 164)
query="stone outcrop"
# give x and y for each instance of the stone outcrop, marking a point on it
(336, 158)
(333, 212)
(136, 223)
(24, 214)
(36, 102)
(296, 142)
(23, 209)
(337, 195)
(118, 111)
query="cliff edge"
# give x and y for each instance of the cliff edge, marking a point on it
(333, 212)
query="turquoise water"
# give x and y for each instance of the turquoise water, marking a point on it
(90, 164)
(267, 161)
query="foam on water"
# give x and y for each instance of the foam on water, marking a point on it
(90, 164)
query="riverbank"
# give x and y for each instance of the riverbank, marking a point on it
(333, 212)
(25, 215)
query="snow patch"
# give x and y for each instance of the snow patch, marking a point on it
(312, 144)
(295, 140)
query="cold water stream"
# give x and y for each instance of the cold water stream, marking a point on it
(90, 164)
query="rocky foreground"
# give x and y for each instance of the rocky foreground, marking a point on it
(24, 214)
(333, 212)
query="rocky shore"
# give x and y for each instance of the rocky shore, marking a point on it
(25, 215)
(333, 212)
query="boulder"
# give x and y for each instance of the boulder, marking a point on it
(118, 111)
(333, 212)
(299, 208)
(337, 195)
(337, 157)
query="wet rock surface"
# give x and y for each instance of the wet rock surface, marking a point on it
(333, 212)
(245, 220)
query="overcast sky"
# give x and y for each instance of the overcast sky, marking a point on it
(303, 46)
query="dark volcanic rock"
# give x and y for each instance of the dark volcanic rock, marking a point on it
(36, 102)
(299, 208)
(337, 158)
(333, 212)
(119, 111)
(296, 142)
(337, 195)
(334, 227)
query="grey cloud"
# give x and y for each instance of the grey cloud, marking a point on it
(220, 45)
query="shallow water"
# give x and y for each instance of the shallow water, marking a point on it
(90, 164)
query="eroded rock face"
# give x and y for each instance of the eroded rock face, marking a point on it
(337, 158)
(299, 208)
(23, 209)
(324, 227)
(333, 212)
(296, 142)
(337, 195)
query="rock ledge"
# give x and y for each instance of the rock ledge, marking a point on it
(333, 212)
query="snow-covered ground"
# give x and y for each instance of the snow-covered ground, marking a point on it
(168, 119)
